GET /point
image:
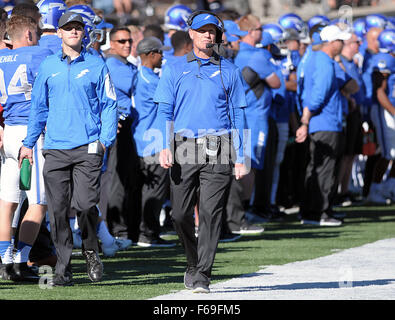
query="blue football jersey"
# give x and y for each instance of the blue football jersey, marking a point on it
(51, 42)
(18, 70)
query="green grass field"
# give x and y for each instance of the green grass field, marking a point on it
(142, 273)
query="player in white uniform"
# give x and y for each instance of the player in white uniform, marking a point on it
(17, 73)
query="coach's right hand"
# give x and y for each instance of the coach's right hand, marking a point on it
(166, 159)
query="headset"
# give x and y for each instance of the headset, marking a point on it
(221, 29)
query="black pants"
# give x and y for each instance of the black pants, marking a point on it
(121, 194)
(234, 216)
(156, 183)
(213, 181)
(81, 170)
(321, 174)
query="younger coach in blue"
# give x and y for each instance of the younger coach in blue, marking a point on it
(74, 99)
(203, 97)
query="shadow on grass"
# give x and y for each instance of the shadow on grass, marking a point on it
(304, 286)
(160, 266)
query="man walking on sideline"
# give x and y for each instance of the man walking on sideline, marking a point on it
(74, 99)
(203, 124)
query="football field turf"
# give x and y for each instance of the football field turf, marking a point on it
(142, 273)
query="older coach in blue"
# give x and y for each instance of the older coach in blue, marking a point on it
(73, 99)
(203, 97)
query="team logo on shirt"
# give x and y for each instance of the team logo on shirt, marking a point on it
(215, 74)
(82, 73)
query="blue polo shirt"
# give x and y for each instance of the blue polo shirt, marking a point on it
(258, 110)
(261, 64)
(145, 131)
(201, 97)
(170, 60)
(122, 74)
(302, 77)
(244, 56)
(324, 97)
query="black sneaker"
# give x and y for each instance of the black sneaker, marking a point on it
(22, 272)
(94, 265)
(229, 237)
(201, 287)
(152, 243)
(6, 271)
(188, 278)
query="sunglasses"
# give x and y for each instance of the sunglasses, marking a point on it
(71, 27)
(157, 51)
(123, 41)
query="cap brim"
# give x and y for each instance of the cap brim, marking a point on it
(200, 24)
(65, 24)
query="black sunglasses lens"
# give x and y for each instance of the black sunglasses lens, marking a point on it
(123, 41)
(69, 28)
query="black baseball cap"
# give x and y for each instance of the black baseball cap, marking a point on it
(68, 17)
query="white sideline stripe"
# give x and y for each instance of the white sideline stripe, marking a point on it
(364, 273)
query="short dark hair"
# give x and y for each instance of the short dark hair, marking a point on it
(154, 30)
(3, 14)
(179, 39)
(3, 19)
(116, 29)
(27, 9)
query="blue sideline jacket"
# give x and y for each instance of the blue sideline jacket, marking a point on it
(75, 101)
(146, 133)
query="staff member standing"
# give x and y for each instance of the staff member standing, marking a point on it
(74, 99)
(154, 178)
(322, 121)
(204, 97)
